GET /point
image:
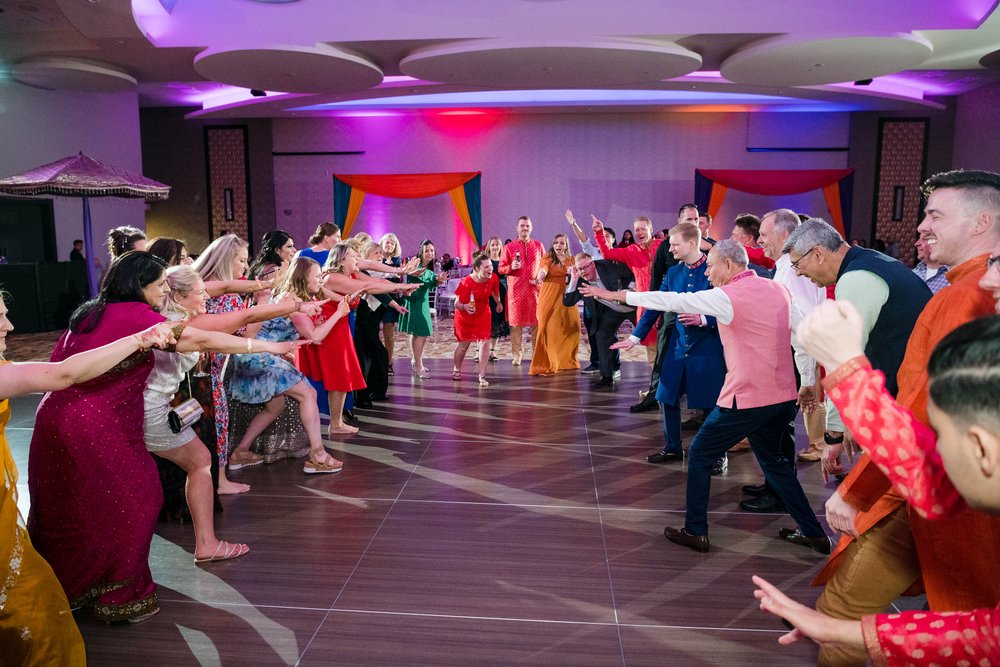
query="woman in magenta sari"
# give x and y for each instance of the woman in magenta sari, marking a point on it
(95, 491)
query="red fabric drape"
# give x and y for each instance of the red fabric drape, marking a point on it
(775, 181)
(407, 186)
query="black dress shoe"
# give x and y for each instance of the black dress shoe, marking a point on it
(721, 465)
(795, 536)
(767, 503)
(755, 490)
(645, 405)
(593, 368)
(680, 536)
(665, 457)
(692, 424)
(604, 383)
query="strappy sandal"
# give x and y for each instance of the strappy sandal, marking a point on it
(225, 551)
(456, 375)
(483, 381)
(237, 461)
(313, 467)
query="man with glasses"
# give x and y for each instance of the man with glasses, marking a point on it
(885, 547)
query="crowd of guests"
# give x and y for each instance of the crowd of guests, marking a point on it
(783, 316)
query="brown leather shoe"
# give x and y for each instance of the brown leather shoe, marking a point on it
(680, 536)
(795, 536)
(811, 455)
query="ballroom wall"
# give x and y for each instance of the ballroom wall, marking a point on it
(977, 129)
(615, 165)
(41, 126)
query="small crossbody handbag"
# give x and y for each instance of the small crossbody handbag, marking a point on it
(186, 413)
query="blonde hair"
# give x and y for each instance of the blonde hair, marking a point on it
(398, 251)
(216, 262)
(688, 231)
(368, 248)
(363, 237)
(296, 281)
(335, 260)
(182, 280)
(486, 249)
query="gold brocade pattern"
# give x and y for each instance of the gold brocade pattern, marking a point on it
(126, 612)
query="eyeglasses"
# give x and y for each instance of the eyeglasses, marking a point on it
(795, 264)
(993, 261)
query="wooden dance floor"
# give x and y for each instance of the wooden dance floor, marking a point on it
(513, 524)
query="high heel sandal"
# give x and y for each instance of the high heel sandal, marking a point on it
(456, 374)
(483, 382)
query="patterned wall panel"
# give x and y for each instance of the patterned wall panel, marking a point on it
(228, 187)
(901, 158)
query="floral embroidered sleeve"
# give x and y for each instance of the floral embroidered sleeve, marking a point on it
(933, 638)
(902, 447)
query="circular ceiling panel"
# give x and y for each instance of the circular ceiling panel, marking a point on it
(782, 61)
(71, 74)
(290, 69)
(509, 64)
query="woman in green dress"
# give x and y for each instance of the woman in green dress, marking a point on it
(417, 322)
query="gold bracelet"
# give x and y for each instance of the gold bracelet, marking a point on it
(249, 345)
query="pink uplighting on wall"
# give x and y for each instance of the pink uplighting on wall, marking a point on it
(464, 247)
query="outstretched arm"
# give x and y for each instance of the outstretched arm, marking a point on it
(28, 377)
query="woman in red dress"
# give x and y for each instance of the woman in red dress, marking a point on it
(334, 362)
(473, 321)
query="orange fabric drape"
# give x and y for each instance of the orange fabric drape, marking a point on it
(353, 208)
(462, 208)
(719, 193)
(831, 193)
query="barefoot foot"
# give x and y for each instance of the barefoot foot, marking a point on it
(227, 488)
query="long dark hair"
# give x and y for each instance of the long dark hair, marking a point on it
(127, 276)
(167, 249)
(420, 253)
(268, 254)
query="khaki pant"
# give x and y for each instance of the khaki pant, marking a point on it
(516, 334)
(875, 570)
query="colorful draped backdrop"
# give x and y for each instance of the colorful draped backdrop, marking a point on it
(349, 192)
(711, 186)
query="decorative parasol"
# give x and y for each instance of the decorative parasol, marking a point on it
(81, 176)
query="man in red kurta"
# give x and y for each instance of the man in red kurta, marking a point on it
(956, 558)
(519, 261)
(639, 258)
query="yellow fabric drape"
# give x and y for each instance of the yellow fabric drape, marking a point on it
(831, 193)
(719, 193)
(353, 208)
(458, 199)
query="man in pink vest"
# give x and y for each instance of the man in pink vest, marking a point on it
(758, 397)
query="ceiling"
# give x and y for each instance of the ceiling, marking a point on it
(317, 57)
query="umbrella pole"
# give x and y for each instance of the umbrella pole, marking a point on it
(88, 246)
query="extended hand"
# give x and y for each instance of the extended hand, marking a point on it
(840, 515)
(597, 225)
(312, 308)
(402, 310)
(808, 622)
(597, 292)
(831, 333)
(159, 336)
(689, 319)
(569, 217)
(623, 345)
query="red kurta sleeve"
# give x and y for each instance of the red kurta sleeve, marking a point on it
(933, 638)
(903, 448)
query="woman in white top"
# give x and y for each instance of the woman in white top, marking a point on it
(187, 300)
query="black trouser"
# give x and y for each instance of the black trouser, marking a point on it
(606, 324)
(788, 444)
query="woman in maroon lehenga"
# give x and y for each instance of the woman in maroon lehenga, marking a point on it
(95, 491)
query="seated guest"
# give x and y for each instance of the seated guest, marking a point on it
(938, 476)
(447, 263)
(758, 398)
(606, 315)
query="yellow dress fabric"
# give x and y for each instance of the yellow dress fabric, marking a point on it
(36, 625)
(558, 342)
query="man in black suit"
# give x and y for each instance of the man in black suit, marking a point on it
(606, 316)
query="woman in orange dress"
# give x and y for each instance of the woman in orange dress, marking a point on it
(558, 342)
(473, 318)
